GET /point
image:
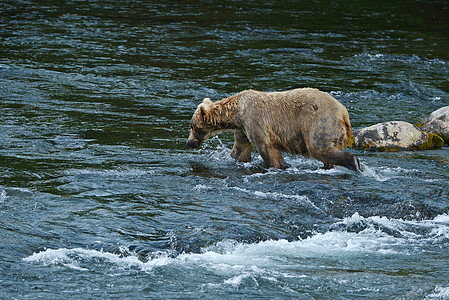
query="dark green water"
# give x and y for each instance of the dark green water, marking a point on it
(99, 197)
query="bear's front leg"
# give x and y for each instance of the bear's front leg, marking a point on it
(271, 156)
(242, 147)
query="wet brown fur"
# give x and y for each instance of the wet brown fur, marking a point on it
(301, 121)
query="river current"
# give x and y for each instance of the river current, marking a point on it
(100, 197)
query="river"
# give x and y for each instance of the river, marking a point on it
(100, 197)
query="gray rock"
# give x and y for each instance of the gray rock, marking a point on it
(394, 136)
(437, 123)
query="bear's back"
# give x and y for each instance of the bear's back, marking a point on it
(289, 102)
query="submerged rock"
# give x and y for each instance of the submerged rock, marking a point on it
(437, 123)
(395, 136)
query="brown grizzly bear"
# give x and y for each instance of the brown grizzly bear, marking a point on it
(301, 121)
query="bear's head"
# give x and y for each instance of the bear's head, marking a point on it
(201, 126)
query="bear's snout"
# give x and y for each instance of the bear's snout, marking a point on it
(193, 143)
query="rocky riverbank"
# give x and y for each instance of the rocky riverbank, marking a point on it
(431, 132)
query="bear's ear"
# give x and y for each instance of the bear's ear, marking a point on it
(205, 108)
(207, 101)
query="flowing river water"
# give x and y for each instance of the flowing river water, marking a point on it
(100, 197)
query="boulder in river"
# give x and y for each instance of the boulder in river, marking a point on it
(437, 123)
(395, 136)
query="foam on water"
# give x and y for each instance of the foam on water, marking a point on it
(271, 194)
(2, 196)
(236, 262)
(442, 219)
(221, 152)
(417, 233)
(122, 172)
(439, 293)
(385, 173)
(77, 257)
(302, 165)
(14, 192)
(299, 198)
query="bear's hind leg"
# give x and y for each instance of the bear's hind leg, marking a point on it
(242, 147)
(341, 158)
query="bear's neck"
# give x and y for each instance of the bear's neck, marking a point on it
(225, 113)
